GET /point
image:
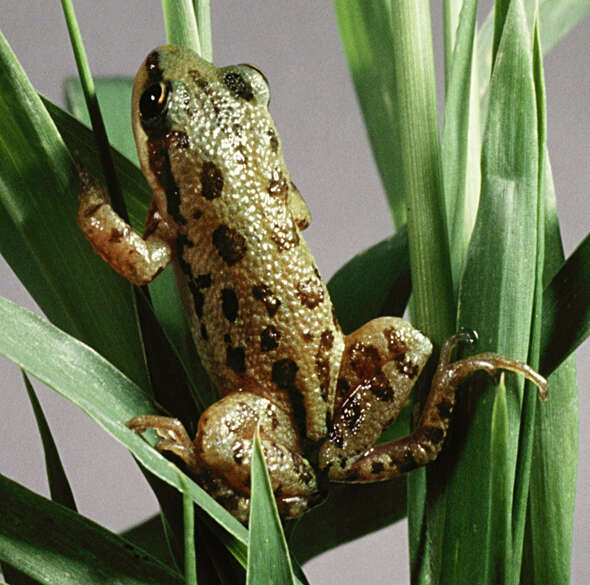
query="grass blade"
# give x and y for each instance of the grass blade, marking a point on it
(268, 554)
(59, 486)
(461, 140)
(55, 545)
(555, 451)
(114, 95)
(181, 24)
(37, 230)
(566, 309)
(90, 382)
(496, 299)
(433, 303)
(188, 514)
(367, 37)
(150, 535)
(557, 18)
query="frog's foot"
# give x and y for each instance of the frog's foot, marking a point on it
(219, 457)
(174, 438)
(224, 443)
(138, 259)
(424, 444)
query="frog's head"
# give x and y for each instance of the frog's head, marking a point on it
(189, 115)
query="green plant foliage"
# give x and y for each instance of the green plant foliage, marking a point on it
(59, 486)
(38, 230)
(268, 555)
(367, 35)
(55, 545)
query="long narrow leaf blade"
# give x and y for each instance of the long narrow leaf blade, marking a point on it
(38, 233)
(461, 140)
(552, 491)
(496, 299)
(566, 309)
(367, 37)
(55, 545)
(90, 382)
(59, 486)
(557, 18)
(268, 554)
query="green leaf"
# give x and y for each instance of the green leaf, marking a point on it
(367, 36)
(52, 544)
(496, 299)
(373, 283)
(90, 382)
(38, 200)
(188, 514)
(461, 140)
(552, 490)
(566, 309)
(181, 24)
(268, 554)
(114, 96)
(150, 535)
(59, 486)
(557, 18)
(351, 511)
(433, 299)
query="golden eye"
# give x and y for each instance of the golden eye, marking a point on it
(153, 102)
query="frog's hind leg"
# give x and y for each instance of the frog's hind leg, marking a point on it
(424, 444)
(219, 457)
(380, 364)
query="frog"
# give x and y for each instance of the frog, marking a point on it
(227, 215)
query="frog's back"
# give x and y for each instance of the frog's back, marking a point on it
(260, 314)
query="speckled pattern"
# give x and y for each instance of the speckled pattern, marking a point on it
(226, 211)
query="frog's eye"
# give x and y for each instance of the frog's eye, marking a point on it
(153, 102)
(248, 83)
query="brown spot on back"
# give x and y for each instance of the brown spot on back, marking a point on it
(283, 375)
(310, 292)
(236, 359)
(278, 185)
(158, 155)
(198, 298)
(284, 372)
(274, 141)
(197, 214)
(322, 362)
(263, 293)
(211, 181)
(203, 280)
(285, 236)
(229, 304)
(269, 338)
(230, 244)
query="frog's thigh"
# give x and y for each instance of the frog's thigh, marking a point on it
(224, 447)
(137, 259)
(381, 362)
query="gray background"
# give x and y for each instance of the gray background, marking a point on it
(296, 44)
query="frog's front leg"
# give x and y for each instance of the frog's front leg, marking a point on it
(137, 259)
(348, 455)
(219, 457)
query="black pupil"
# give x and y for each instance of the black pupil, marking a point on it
(152, 101)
